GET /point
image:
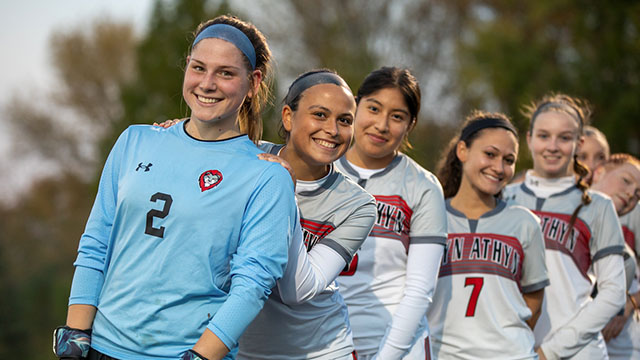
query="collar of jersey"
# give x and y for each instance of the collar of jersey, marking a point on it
(500, 205)
(394, 163)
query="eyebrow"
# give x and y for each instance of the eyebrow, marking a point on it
(319, 107)
(219, 66)
(380, 104)
(500, 151)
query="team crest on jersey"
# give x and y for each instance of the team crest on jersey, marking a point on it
(210, 179)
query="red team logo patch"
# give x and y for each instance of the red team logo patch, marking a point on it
(210, 179)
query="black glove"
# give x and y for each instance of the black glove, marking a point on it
(71, 343)
(192, 355)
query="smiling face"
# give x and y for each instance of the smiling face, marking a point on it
(593, 152)
(320, 130)
(216, 83)
(621, 183)
(382, 122)
(489, 162)
(553, 141)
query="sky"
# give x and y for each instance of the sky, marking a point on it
(26, 25)
(25, 68)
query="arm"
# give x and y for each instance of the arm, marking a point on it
(210, 346)
(428, 236)
(423, 264)
(259, 260)
(308, 274)
(81, 316)
(534, 303)
(90, 263)
(606, 248)
(534, 270)
(593, 316)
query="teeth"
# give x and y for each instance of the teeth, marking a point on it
(325, 143)
(492, 177)
(206, 100)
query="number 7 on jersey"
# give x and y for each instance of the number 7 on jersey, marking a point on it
(477, 283)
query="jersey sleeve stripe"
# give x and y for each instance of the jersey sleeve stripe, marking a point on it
(611, 250)
(535, 287)
(442, 240)
(342, 251)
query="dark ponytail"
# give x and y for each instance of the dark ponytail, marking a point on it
(450, 170)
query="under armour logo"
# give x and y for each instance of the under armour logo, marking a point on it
(144, 167)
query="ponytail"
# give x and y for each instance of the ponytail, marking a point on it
(450, 170)
(582, 171)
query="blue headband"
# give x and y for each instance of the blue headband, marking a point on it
(231, 34)
(312, 79)
(488, 122)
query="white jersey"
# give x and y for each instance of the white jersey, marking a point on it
(627, 344)
(570, 322)
(337, 214)
(411, 210)
(631, 228)
(478, 311)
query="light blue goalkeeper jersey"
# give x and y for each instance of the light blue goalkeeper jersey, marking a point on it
(184, 235)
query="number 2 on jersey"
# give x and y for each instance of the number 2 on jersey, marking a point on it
(149, 229)
(477, 283)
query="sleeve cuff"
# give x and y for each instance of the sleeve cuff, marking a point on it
(535, 287)
(86, 286)
(335, 246)
(442, 240)
(611, 250)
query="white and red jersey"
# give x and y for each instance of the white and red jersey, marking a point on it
(631, 228)
(570, 323)
(478, 310)
(337, 214)
(627, 344)
(411, 212)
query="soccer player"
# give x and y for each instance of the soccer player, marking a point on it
(594, 151)
(493, 274)
(389, 284)
(581, 230)
(305, 317)
(619, 177)
(190, 230)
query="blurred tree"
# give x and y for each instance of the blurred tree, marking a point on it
(40, 233)
(156, 93)
(102, 70)
(356, 37)
(513, 53)
(92, 64)
(38, 244)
